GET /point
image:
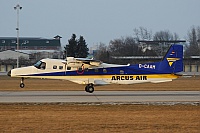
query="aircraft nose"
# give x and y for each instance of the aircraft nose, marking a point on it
(9, 73)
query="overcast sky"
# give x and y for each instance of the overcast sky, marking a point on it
(97, 20)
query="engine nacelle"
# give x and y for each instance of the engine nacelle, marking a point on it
(95, 63)
(74, 64)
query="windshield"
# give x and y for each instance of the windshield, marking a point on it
(37, 65)
(40, 65)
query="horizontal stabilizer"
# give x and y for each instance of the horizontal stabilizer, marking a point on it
(161, 81)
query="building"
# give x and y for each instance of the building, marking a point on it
(10, 54)
(30, 50)
(30, 44)
(8, 60)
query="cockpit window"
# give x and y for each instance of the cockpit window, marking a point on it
(40, 65)
(43, 65)
(37, 65)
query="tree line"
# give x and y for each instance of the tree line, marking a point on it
(131, 45)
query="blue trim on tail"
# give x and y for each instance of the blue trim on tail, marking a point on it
(173, 60)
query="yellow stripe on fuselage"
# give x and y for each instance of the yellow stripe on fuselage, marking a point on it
(170, 76)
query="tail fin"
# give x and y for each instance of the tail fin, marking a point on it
(173, 60)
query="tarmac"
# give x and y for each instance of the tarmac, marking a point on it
(102, 97)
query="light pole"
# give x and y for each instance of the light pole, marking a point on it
(17, 7)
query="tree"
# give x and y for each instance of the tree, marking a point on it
(71, 47)
(76, 48)
(82, 49)
(102, 53)
(162, 47)
(142, 33)
(193, 49)
(124, 47)
(165, 36)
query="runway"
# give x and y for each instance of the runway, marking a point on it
(109, 97)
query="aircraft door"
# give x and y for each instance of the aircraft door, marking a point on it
(67, 68)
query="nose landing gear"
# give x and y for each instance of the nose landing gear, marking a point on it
(89, 88)
(22, 85)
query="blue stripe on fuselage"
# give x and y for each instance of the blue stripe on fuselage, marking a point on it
(129, 70)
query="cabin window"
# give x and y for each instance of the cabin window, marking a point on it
(104, 71)
(121, 71)
(68, 68)
(80, 69)
(60, 67)
(96, 70)
(54, 67)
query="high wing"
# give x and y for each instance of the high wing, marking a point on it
(91, 62)
(79, 62)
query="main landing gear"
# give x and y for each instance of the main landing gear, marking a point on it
(89, 88)
(22, 85)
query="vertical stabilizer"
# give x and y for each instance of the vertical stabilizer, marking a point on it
(173, 60)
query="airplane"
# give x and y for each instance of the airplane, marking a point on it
(92, 72)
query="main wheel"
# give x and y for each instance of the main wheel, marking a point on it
(86, 88)
(22, 85)
(90, 89)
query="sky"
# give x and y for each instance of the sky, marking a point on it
(97, 20)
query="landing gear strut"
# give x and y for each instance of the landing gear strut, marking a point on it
(22, 83)
(89, 88)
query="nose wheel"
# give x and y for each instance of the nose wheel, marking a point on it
(22, 85)
(89, 88)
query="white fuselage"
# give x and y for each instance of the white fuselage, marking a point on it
(60, 69)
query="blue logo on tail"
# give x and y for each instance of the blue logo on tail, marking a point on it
(173, 60)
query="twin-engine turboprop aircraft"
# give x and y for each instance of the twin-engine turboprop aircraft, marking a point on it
(92, 72)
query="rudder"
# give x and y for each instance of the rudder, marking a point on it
(172, 62)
